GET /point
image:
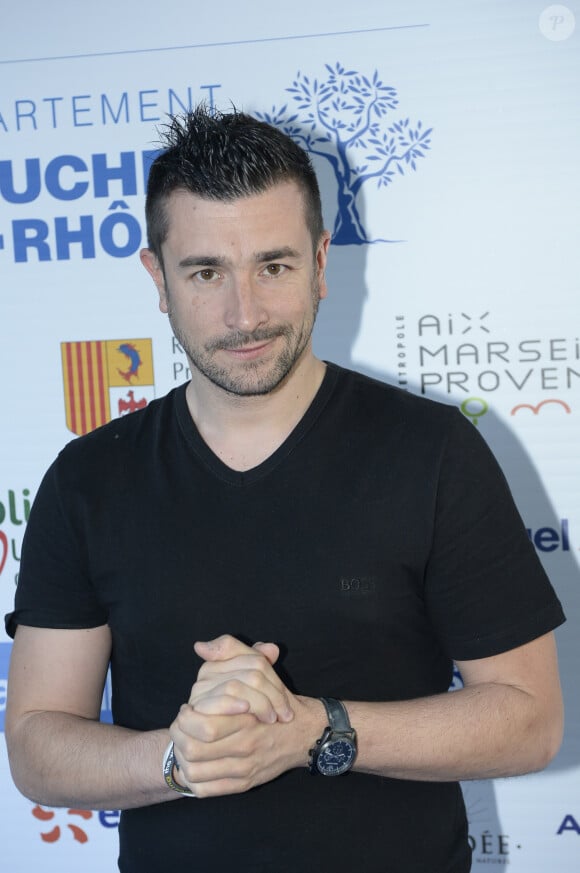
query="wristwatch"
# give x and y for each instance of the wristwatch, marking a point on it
(335, 751)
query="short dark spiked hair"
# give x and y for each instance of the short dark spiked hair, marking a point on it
(224, 156)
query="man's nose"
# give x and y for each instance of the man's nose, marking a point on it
(245, 307)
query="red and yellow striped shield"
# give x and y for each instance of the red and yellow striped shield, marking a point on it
(104, 379)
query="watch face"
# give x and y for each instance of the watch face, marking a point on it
(336, 757)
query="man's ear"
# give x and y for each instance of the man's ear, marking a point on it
(155, 270)
(321, 261)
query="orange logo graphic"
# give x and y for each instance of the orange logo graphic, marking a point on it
(536, 409)
(46, 815)
(104, 379)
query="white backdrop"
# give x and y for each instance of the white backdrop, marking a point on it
(458, 279)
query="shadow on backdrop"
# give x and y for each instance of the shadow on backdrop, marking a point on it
(335, 334)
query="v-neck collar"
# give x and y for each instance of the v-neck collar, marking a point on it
(247, 477)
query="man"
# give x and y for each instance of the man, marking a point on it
(366, 534)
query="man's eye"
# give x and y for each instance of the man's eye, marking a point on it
(207, 275)
(274, 269)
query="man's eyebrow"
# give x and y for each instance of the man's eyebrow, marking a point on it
(277, 254)
(202, 261)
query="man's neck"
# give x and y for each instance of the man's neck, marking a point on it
(244, 431)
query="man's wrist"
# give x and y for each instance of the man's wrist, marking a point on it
(314, 722)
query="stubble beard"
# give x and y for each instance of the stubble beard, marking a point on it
(249, 378)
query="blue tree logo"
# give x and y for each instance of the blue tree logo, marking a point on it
(343, 119)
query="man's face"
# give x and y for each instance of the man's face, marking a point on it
(241, 285)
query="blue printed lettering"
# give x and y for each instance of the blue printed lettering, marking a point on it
(565, 535)
(548, 539)
(20, 107)
(143, 106)
(120, 236)
(53, 101)
(7, 188)
(78, 110)
(175, 101)
(148, 157)
(123, 105)
(126, 172)
(30, 234)
(210, 88)
(65, 236)
(569, 824)
(62, 176)
(109, 818)
(133, 233)
(52, 178)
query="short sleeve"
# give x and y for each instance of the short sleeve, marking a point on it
(486, 589)
(54, 589)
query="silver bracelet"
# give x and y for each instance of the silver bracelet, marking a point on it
(169, 763)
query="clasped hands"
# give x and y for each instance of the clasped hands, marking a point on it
(242, 726)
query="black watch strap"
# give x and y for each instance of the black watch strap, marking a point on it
(337, 714)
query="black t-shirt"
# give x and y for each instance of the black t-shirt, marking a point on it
(378, 543)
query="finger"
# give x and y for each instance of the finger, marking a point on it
(200, 772)
(221, 648)
(269, 650)
(221, 704)
(263, 702)
(254, 662)
(226, 647)
(239, 756)
(269, 699)
(251, 660)
(194, 732)
(218, 787)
